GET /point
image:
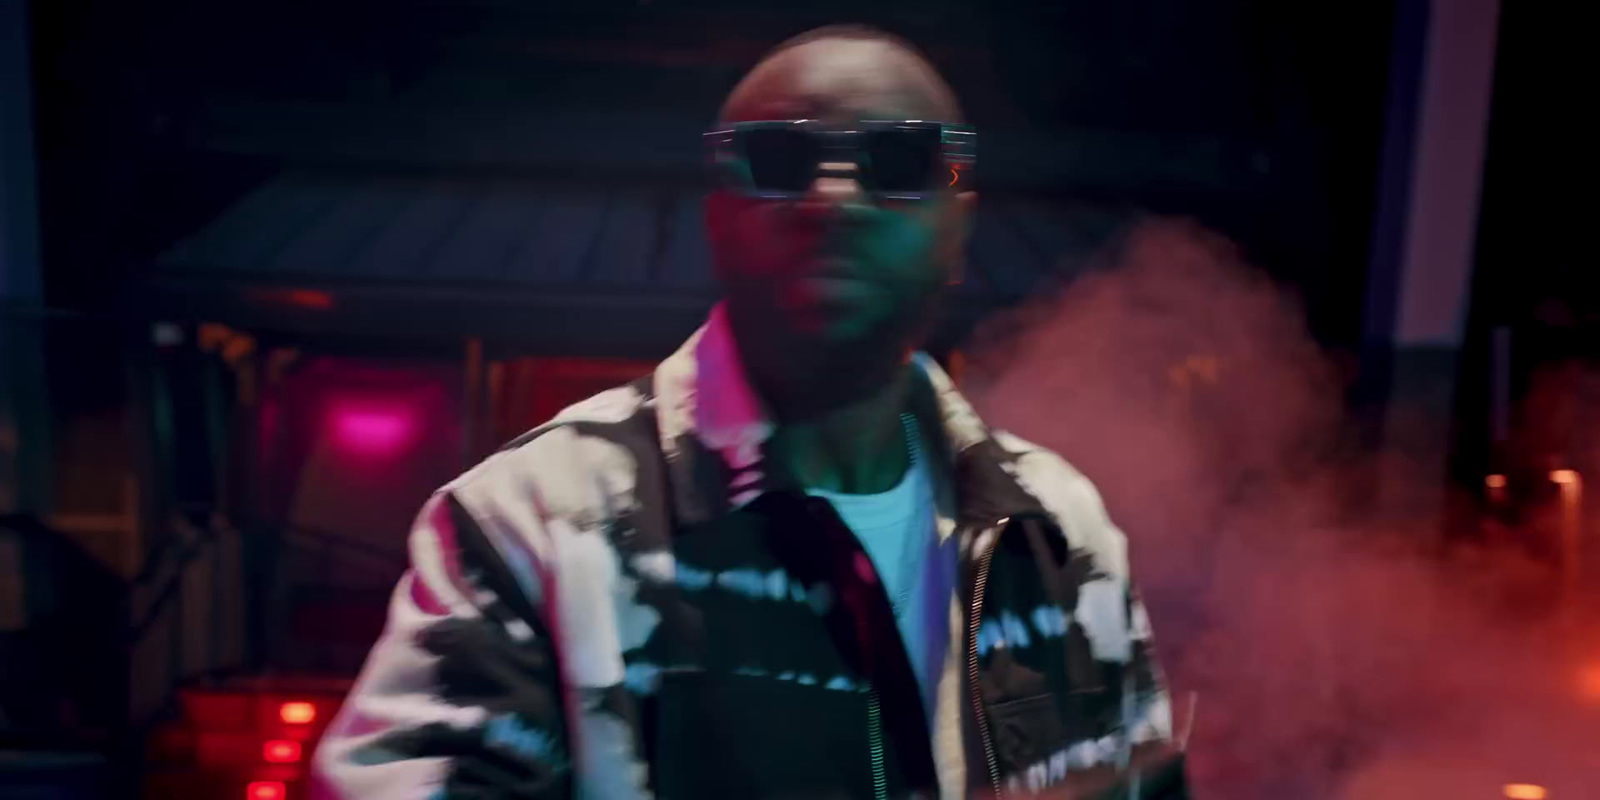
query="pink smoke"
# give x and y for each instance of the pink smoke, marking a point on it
(1336, 648)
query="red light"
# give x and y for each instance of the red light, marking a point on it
(265, 790)
(281, 751)
(297, 713)
(310, 299)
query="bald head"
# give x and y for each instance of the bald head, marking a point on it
(830, 290)
(842, 73)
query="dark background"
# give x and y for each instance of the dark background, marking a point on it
(1260, 120)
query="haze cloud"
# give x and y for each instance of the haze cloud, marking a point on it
(1337, 650)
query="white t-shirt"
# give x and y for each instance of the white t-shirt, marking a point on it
(897, 529)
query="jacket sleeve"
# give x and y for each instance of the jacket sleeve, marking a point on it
(1142, 741)
(1145, 742)
(462, 695)
(1141, 757)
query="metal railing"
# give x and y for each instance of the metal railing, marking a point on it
(66, 437)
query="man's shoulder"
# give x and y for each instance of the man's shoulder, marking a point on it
(1069, 496)
(1046, 472)
(619, 406)
(573, 464)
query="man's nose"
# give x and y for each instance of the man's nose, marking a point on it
(836, 187)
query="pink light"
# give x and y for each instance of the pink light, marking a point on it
(373, 430)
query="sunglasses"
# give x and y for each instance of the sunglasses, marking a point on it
(894, 160)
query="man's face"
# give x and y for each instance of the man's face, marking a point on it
(836, 268)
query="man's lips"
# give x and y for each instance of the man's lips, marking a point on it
(830, 294)
(835, 268)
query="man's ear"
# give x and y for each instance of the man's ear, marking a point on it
(715, 210)
(957, 229)
(966, 206)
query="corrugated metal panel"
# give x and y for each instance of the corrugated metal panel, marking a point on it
(479, 247)
(234, 240)
(405, 244)
(686, 259)
(626, 243)
(554, 248)
(509, 234)
(334, 240)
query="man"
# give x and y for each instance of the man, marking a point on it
(792, 562)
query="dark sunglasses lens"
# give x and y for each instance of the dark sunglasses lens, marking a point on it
(903, 159)
(779, 159)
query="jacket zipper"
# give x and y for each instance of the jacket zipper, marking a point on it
(980, 715)
(880, 784)
(880, 780)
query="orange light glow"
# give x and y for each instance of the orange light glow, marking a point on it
(1589, 683)
(954, 176)
(280, 751)
(1495, 481)
(265, 790)
(1525, 791)
(1564, 477)
(297, 713)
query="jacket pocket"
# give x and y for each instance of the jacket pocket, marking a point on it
(1025, 731)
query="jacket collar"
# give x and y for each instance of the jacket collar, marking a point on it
(714, 429)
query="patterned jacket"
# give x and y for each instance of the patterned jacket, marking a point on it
(630, 601)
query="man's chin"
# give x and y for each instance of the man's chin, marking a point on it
(837, 334)
(827, 336)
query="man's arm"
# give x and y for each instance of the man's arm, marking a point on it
(1155, 755)
(1151, 761)
(1142, 742)
(461, 697)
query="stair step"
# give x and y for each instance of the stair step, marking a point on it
(33, 775)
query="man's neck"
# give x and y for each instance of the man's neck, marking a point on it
(857, 447)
